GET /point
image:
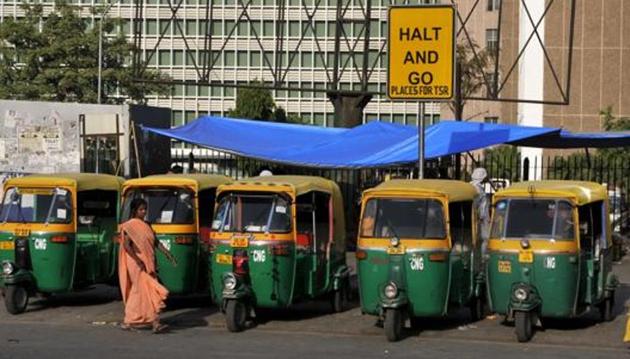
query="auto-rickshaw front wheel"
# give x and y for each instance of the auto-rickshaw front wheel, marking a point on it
(393, 324)
(606, 309)
(235, 315)
(523, 326)
(15, 298)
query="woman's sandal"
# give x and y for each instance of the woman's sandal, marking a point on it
(128, 327)
(160, 328)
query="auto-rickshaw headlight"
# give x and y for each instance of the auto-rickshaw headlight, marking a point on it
(7, 268)
(395, 241)
(229, 281)
(521, 293)
(391, 290)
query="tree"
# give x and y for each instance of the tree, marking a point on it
(60, 61)
(471, 75)
(254, 104)
(257, 103)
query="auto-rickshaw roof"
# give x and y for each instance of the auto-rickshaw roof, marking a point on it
(455, 191)
(584, 192)
(80, 181)
(298, 184)
(198, 180)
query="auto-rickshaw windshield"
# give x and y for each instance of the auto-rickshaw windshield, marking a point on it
(164, 205)
(403, 218)
(263, 213)
(533, 219)
(37, 205)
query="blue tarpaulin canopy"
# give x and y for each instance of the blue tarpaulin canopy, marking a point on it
(375, 144)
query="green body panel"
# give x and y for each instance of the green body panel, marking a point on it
(87, 258)
(427, 284)
(554, 276)
(53, 264)
(277, 281)
(184, 277)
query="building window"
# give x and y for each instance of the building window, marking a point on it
(491, 119)
(494, 5)
(492, 39)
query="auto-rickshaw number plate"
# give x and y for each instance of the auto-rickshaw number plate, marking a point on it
(224, 259)
(505, 267)
(526, 256)
(7, 245)
(21, 232)
(239, 242)
(396, 250)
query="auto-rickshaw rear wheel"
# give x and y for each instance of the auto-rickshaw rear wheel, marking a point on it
(341, 297)
(606, 309)
(477, 308)
(393, 324)
(15, 298)
(235, 315)
(523, 326)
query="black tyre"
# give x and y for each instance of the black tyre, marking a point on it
(477, 309)
(341, 297)
(235, 316)
(393, 324)
(15, 299)
(523, 326)
(606, 309)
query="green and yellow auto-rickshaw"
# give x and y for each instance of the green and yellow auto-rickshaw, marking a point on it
(56, 234)
(277, 240)
(417, 252)
(180, 210)
(549, 253)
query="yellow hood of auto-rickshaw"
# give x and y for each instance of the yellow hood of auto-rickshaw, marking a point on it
(453, 191)
(581, 192)
(296, 186)
(78, 181)
(75, 181)
(197, 181)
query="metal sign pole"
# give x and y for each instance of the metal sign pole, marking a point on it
(420, 140)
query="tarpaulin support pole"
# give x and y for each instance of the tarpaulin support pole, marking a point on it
(421, 146)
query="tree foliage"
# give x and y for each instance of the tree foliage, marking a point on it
(473, 65)
(254, 104)
(257, 103)
(54, 57)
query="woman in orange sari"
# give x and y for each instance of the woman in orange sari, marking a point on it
(142, 294)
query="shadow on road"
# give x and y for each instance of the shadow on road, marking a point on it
(97, 295)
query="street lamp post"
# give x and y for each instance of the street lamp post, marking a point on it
(100, 50)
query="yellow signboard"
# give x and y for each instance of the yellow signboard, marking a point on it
(421, 54)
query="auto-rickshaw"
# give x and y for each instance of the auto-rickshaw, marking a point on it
(180, 210)
(549, 253)
(277, 240)
(56, 234)
(417, 252)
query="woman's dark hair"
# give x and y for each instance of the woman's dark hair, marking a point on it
(135, 204)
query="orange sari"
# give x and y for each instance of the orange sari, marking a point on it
(142, 294)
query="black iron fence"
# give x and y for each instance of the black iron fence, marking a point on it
(502, 171)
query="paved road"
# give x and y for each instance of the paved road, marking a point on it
(86, 324)
(45, 340)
